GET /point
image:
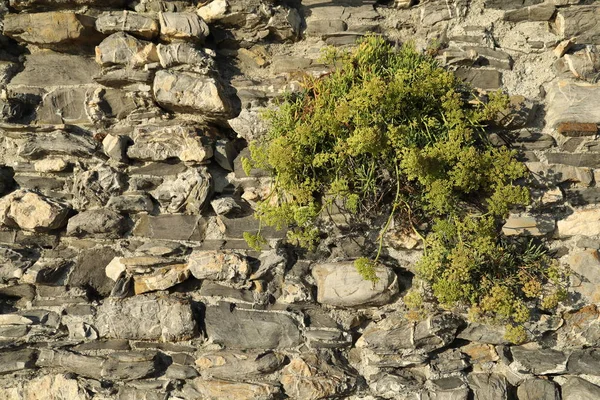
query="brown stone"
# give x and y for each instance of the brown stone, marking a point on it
(577, 129)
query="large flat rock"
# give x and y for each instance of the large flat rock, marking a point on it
(146, 317)
(55, 69)
(581, 222)
(582, 22)
(573, 102)
(251, 329)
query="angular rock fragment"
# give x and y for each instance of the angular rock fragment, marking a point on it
(52, 29)
(32, 212)
(88, 271)
(124, 49)
(174, 54)
(488, 386)
(213, 11)
(190, 92)
(540, 12)
(311, 378)
(96, 186)
(340, 284)
(161, 279)
(119, 77)
(559, 173)
(238, 328)
(130, 22)
(582, 22)
(146, 317)
(11, 361)
(187, 193)
(219, 266)
(100, 223)
(182, 26)
(159, 143)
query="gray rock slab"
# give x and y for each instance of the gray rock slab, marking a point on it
(171, 227)
(538, 389)
(582, 22)
(146, 317)
(539, 361)
(97, 223)
(579, 389)
(573, 102)
(238, 328)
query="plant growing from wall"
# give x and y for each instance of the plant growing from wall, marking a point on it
(390, 132)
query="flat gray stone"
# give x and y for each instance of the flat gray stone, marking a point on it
(58, 4)
(584, 362)
(12, 361)
(146, 317)
(39, 145)
(57, 68)
(88, 270)
(510, 4)
(238, 365)
(182, 26)
(539, 361)
(238, 328)
(582, 22)
(171, 227)
(98, 223)
(488, 386)
(538, 389)
(579, 389)
(539, 12)
(486, 79)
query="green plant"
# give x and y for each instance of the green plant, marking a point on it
(389, 133)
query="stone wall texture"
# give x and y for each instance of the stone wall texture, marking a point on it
(123, 271)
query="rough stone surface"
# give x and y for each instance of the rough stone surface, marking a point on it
(340, 284)
(32, 212)
(146, 317)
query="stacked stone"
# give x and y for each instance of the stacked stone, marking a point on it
(124, 274)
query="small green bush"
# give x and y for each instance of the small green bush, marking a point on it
(391, 133)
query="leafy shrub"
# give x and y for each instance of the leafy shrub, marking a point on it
(390, 132)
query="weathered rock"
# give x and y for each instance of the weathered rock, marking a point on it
(538, 389)
(161, 279)
(586, 263)
(51, 29)
(32, 212)
(101, 223)
(572, 102)
(580, 22)
(233, 327)
(146, 317)
(219, 266)
(174, 54)
(54, 4)
(584, 362)
(213, 11)
(190, 92)
(187, 193)
(581, 222)
(584, 160)
(438, 11)
(11, 361)
(119, 77)
(87, 366)
(488, 386)
(486, 79)
(213, 389)
(121, 48)
(131, 203)
(538, 361)
(540, 12)
(579, 389)
(584, 64)
(237, 365)
(225, 205)
(50, 387)
(577, 129)
(510, 4)
(310, 377)
(340, 284)
(528, 225)
(171, 227)
(96, 186)
(395, 333)
(89, 270)
(127, 21)
(40, 145)
(129, 366)
(50, 165)
(159, 143)
(182, 26)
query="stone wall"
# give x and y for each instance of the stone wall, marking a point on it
(124, 274)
